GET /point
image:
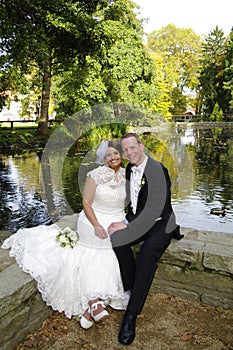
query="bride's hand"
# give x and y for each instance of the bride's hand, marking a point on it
(115, 226)
(100, 232)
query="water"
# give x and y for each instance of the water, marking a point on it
(199, 162)
(212, 153)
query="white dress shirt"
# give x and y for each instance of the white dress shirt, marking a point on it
(135, 182)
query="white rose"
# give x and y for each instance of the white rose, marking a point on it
(72, 235)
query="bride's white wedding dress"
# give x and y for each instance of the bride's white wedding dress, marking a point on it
(69, 278)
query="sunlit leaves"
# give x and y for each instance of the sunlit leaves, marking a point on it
(179, 51)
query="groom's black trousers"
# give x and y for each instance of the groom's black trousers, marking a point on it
(137, 274)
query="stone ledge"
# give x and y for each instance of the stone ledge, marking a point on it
(185, 252)
(218, 257)
(199, 267)
(199, 282)
(202, 250)
(5, 259)
(22, 309)
(14, 284)
(214, 237)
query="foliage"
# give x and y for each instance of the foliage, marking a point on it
(72, 55)
(104, 132)
(213, 74)
(8, 139)
(217, 114)
(179, 50)
(162, 103)
(19, 140)
(122, 71)
(228, 81)
(93, 51)
(48, 36)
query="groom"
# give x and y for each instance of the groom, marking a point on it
(150, 220)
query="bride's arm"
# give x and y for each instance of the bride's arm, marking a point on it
(88, 197)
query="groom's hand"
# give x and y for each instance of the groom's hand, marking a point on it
(115, 226)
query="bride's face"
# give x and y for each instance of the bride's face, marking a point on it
(113, 158)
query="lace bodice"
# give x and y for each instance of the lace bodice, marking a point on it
(105, 175)
(110, 189)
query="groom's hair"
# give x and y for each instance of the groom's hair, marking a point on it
(131, 134)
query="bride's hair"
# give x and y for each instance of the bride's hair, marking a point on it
(116, 145)
(101, 150)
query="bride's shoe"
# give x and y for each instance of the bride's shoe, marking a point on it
(100, 315)
(84, 322)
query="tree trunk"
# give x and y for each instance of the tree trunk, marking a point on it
(42, 128)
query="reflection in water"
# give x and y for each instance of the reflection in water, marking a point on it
(47, 182)
(211, 151)
(21, 204)
(199, 162)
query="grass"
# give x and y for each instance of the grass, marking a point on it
(16, 125)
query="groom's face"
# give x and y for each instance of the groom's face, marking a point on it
(133, 151)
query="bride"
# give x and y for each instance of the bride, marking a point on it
(84, 280)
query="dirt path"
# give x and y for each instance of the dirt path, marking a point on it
(167, 323)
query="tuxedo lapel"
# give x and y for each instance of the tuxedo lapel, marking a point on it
(127, 176)
(128, 171)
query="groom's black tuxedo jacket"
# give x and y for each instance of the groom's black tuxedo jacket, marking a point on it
(154, 202)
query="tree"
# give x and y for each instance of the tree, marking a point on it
(162, 103)
(121, 71)
(179, 50)
(217, 114)
(212, 72)
(228, 74)
(48, 35)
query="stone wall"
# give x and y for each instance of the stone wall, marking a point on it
(199, 267)
(22, 309)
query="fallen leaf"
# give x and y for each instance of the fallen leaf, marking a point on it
(187, 336)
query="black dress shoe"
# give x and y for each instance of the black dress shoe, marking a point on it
(127, 331)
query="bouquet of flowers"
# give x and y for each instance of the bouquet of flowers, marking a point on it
(67, 238)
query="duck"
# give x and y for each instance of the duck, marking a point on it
(218, 211)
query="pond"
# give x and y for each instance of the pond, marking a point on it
(199, 162)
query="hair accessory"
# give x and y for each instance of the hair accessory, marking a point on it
(101, 152)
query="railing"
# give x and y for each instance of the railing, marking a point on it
(175, 118)
(197, 118)
(11, 122)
